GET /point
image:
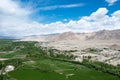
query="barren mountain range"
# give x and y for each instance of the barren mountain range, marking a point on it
(99, 35)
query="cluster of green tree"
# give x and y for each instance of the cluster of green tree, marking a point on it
(69, 51)
(5, 45)
(8, 45)
(106, 68)
(38, 52)
(3, 64)
(60, 54)
(92, 50)
(31, 50)
(15, 62)
(99, 66)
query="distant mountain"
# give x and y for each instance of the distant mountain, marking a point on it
(106, 35)
(6, 37)
(99, 35)
(63, 36)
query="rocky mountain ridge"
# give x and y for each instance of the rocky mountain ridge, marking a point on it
(99, 35)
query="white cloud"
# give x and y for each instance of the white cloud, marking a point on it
(17, 24)
(11, 8)
(111, 2)
(96, 21)
(61, 6)
(11, 17)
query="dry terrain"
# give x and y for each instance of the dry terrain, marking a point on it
(103, 46)
(108, 50)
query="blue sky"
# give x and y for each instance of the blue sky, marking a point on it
(20, 18)
(85, 8)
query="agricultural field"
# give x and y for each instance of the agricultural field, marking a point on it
(46, 69)
(33, 62)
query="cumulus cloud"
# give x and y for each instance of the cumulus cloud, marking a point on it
(15, 22)
(98, 20)
(11, 17)
(111, 2)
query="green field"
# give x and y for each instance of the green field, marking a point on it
(46, 69)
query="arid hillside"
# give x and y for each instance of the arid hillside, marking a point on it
(99, 35)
